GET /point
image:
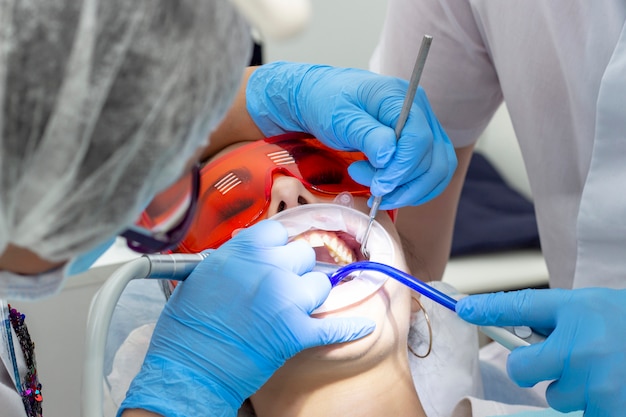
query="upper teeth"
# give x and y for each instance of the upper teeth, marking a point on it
(337, 248)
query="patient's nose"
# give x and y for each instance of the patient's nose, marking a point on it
(288, 192)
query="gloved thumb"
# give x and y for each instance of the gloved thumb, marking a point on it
(331, 330)
(534, 308)
(362, 172)
(266, 233)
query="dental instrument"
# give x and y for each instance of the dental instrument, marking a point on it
(509, 336)
(404, 115)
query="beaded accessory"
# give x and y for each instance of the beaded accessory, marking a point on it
(29, 387)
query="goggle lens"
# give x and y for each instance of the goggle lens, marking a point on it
(236, 190)
(166, 220)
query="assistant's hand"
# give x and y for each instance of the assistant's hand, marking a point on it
(585, 353)
(236, 319)
(352, 109)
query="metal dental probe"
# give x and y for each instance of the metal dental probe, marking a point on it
(404, 115)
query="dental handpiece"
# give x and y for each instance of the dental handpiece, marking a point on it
(509, 336)
(175, 266)
(404, 115)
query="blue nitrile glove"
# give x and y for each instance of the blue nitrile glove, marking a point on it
(585, 352)
(236, 319)
(352, 109)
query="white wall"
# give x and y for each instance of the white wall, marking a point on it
(341, 33)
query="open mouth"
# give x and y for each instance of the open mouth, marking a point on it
(333, 232)
(335, 247)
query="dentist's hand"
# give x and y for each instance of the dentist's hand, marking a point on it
(585, 353)
(352, 109)
(236, 319)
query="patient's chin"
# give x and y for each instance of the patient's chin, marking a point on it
(358, 355)
(352, 351)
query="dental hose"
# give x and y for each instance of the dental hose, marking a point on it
(406, 279)
(163, 266)
(510, 337)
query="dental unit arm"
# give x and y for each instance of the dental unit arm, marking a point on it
(510, 337)
(170, 267)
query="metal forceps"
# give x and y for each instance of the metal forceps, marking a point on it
(404, 115)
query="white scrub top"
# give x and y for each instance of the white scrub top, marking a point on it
(560, 65)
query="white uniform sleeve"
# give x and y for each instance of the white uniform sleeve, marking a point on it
(459, 77)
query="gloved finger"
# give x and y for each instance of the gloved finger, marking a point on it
(331, 330)
(360, 131)
(427, 186)
(412, 158)
(314, 288)
(528, 365)
(588, 384)
(416, 191)
(362, 172)
(596, 410)
(566, 394)
(372, 131)
(266, 233)
(297, 257)
(534, 308)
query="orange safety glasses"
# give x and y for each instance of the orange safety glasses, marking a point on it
(235, 189)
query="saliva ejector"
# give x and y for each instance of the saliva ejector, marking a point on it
(509, 336)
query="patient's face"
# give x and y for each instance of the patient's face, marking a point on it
(389, 306)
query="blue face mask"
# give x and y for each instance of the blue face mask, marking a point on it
(83, 262)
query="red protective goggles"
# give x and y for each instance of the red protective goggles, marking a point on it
(235, 190)
(165, 221)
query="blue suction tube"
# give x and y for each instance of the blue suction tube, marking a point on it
(406, 279)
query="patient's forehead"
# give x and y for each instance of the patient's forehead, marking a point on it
(224, 152)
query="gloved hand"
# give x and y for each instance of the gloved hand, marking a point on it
(585, 352)
(352, 109)
(234, 321)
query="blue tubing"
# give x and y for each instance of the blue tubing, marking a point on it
(406, 279)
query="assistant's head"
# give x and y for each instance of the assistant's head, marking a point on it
(104, 103)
